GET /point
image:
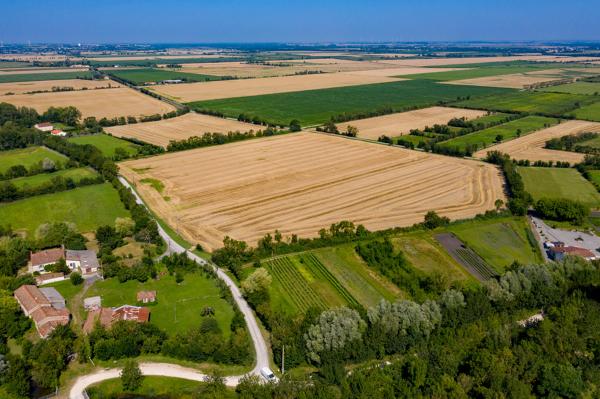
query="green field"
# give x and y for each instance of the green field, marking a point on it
(178, 307)
(141, 76)
(498, 241)
(27, 157)
(588, 88)
(589, 112)
(594, 176)
(508, 131)
(30, 77)
(559, 183)
(37, 180)
(591, 143)
(478, 72)
(160, 61)
(106, 143)
(87, 207)
(313, 107)
(523, 101)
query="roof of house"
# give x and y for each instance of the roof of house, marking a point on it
(148, 295)
(47, 256)
(43, 124)
(86, 257)
(30, 296)
(46, 308)
(56, 131)
(54, 297)
(134, 313)
(48, 276)
(576, 251)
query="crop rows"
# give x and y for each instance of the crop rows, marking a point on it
(319, 270)
(478, 264)
(294, 284)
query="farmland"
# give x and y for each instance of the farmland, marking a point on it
(553, 104)
(531, 146)
(318, 106)
(508, 131)
(464, 255)
(28, 77)
(141, 76)
(401, 123)
(43, 178)
(105, 143)
(590, 112)
(589, 88)
(180, 128)
(559, 183)
(87, 207)
(47, 85)
(475, 72)
(28, 157)
(99, 103)
(371, 184)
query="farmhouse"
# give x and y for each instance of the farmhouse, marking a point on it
(44, 126)
(146, 296)
(108, 316)
(46, 308)
(85, 260)
(39, 260)
(558, 253)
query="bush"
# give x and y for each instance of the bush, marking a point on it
(76, 278)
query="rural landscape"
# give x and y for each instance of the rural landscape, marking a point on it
(280, 218)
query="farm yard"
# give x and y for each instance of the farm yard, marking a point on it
(401, 123)
(313, 107)
(48, 85)
(180, 128)
(531, 147)
(278, 183)
(99, 103)
(28, 157)
(106, 144)
(559, 183)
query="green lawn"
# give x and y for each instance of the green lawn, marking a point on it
(106, 143)
(87, 207)
(313, 107)
(178, 306)
(29, 77)
(27, 157)
(589, 88)
(553, 104)
(478, 72)
(508, 131)
(498, 241)
(141, 76)
(37, 180)
(559, 183)
(590, 112)
(66, 289)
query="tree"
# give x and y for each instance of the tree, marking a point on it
(48, 165)
(498, 204)
(76, 278)
(433, 220)
(131, 376)
(256, 286)
(295, 125)
(499, 138)
(124, 226)
(351, 131)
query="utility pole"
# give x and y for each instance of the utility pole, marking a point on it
(283, 359)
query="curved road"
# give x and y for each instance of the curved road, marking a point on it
(172, 370)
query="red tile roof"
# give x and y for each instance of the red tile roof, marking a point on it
(576, 251)
(52, 255)
(35, 304)
(30, 297)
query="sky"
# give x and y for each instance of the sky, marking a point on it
(199, 21)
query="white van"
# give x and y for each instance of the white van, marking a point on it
(268, 375)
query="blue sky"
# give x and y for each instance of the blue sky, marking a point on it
(296, 21)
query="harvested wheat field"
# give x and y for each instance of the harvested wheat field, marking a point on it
(28, 71)
(253, 87)
(47, 85)
(512, 81)
(180, 128)
(477, 60)
(102, 103)
(401, 123)
(531, 146)
(299, 183)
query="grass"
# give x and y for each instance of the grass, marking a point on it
(27, 157)
(589, 88)
(178, 307)
(37, 180)
(313, 107)
(154, 183)
(559, 183)
(553, 104)
(87, 207)
(595, 142)
(499, 242)
(30, 77)
(106, 143)
(478, 72)
(66, 289)
(141, 76)
(589, 112)
(594, 176)
(508, 131)
(154, 62)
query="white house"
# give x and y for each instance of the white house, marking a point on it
(44, 127)
(58, 132)
(85, 260)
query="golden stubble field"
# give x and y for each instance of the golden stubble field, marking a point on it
(403, 122)
(101, 103)
(531, 146)
(182, 127)
(299, 183)
(47, 85)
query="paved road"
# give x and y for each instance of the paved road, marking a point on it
(171, 370)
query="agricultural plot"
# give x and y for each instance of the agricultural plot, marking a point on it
(590, 112)
(179, 128)
(559, 183)
(87, 207)
(507, 131)
(48, 85)
(76, 174)
(99, 103)
(28, 157)
(313, 107)
(553, 104)
(278, 183)
(464, 255)
(147, 75)
(467, 74)
(476, 61)
(531, 146)
(106, 144)
(401, 123)
(28, 77)
(179, 306)
(589, 88)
